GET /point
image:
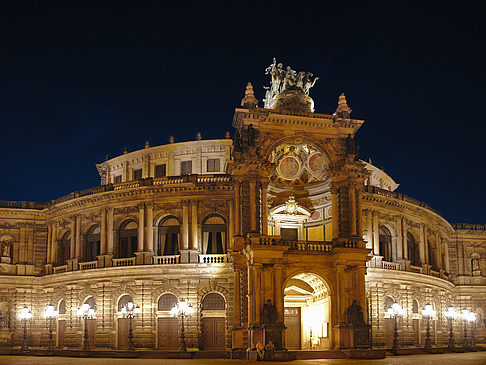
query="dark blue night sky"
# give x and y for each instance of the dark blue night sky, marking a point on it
(80, 81)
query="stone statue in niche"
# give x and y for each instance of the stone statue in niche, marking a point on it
(352, 147)
(251, 135)
(5, 249)
(354, 314)
(269, 313)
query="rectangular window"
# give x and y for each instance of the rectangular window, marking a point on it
(137, 174)
(213, 165)
(160, 170)
(118, 179)
(186, 167)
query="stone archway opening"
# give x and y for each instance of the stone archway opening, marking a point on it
(307, 306)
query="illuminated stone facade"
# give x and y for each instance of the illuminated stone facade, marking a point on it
(270, 234)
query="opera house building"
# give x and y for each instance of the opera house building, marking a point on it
(277, 231)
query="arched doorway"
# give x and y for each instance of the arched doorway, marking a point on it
(123, 322)
(213, 322)
(91, 323)
(61, 323)
(307, 307)
(167, 325)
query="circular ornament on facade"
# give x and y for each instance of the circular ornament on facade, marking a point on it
(289, 167)
(317, 164)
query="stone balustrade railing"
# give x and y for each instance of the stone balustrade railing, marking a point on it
(22, 205)
(391, 265)
(214, 259)
(162, 181)
(88, 265)
(129, 261)
(166, 260)
(60, 269)
(399, 196)
(470, 227)
(323, 246)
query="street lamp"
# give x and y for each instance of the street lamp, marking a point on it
(50, 313)
(451, 314)
(428, 312)
(395, 311)
(182, 309)
(469, 317)
(465, 319)
(25, 315)
(85, 312)
(130, 311)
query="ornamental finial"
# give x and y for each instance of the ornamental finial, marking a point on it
(342, 110)
(249, 101)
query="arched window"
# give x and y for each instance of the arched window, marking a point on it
(91, 302)
(385, 244)
(413, 250)
(167, 302)
(62, 307)
(415, 306)
(128, 239)
(64, 251)
(122, 302)
(214, 235)
(432, 257)
(92, 244)
(213, 301)
(168, 237)
(388, 303)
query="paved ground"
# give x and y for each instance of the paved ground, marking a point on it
(471, 358)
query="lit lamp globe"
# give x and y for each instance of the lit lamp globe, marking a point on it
(428, 311)
(25, 314)
(451, 313)
(50, 312)
(396, 310)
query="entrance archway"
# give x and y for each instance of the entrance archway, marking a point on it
(307, 307)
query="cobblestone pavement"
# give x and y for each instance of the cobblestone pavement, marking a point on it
(475, 358)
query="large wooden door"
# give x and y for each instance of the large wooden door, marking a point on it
(416, 332)
(91, 332)
(214, 333)
(389, 331)
(61, 328)
(168, 335)
(123, 333)
(293, 331)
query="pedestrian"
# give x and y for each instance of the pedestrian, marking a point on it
(269, 350)
(260, 348)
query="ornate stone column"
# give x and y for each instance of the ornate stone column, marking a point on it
(49, 243)
(109, 233)
(78, 244)
(72, 246)
(237, 208)
(359, 213)
(264, 218)
(376, 235)
(53, 243)
(150, 228)
(141, 235)
(335, 212)
(253, 226)
(352, 210)
(184, 251)
(237, 299)
(103, 232)
(194, 247)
